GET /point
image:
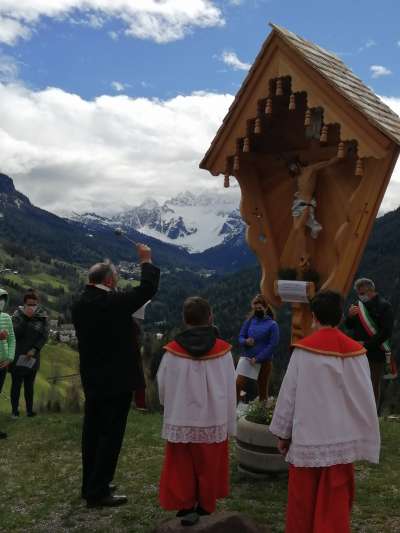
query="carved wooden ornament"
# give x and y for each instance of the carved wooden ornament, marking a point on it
(316, 195)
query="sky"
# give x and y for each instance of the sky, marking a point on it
(104, 103)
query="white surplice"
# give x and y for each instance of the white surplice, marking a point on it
(199, 398)
(326, 405)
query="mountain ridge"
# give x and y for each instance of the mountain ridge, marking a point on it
(91, 240)
(194, 222)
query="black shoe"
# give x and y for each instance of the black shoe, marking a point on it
(107, 501)
(190, 519)
(184, 512)
(112, 488)
(201, 512)
(31, 414)
(3, 435)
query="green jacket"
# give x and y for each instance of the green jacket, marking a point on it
(7, 347)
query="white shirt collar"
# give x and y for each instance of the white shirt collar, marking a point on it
(102, 287)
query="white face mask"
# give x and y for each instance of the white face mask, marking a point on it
(2, 305)
(32, 308)
(364, 298)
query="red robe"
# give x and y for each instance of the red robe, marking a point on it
(320, 498)
(195, 473)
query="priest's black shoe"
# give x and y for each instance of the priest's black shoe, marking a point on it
(107, 501)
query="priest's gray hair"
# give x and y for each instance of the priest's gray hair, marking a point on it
(101, 271)
(364, 282)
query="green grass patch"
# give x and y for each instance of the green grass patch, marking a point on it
(44, 278)
(57, 359)
(40, 480)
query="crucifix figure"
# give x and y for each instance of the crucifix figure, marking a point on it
(296, 253)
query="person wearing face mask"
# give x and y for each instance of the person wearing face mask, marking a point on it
(259, 337)
(31, 327)
(370, 322)
(110, 369)
(7, 343)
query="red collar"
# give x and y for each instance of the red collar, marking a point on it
(331, 341)
(220, 348)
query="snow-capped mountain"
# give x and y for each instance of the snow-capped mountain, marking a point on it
(194, 222)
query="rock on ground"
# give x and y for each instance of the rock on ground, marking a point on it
(224, 522)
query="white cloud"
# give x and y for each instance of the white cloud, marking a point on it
(118, 86)
(379, 70)
(392, 197)
(368, 44)
(12, 30)
(114, 35)
(232, 60)
(161, 21)
(70, 154)
(8, 68)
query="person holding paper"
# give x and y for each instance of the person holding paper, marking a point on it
(259, 337)
(7, 343)
(196, 381)
(110, 370)
(31, 327)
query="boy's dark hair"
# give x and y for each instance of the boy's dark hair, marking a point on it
(31, 294)
(327, 307)
(196, 311)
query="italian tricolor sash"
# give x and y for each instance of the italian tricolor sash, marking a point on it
(369, 325)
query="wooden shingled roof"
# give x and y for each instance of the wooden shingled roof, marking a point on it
(346, 83)
(336, 74)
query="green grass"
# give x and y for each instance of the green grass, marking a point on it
(36, 280)
(57, 359)
(40, 481)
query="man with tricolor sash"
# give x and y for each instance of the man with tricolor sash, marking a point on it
(371, 323)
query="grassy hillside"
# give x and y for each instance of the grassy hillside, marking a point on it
(57, 360)
(40, 481)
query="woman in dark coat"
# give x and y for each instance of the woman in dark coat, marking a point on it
(31, 327)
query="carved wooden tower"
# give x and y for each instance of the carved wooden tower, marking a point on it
(313, 150)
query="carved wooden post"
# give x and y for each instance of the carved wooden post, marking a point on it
(313, 196)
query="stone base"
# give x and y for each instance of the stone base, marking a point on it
(224, 522)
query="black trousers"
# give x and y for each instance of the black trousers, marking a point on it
(104, 426)
(17, 379)
(3, 373)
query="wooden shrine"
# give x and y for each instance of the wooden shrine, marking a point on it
(313, 150)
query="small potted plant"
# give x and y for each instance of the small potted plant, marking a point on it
(256, 446)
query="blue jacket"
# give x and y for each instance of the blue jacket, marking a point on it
(265, 333)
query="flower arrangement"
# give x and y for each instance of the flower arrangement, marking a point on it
(260, 412)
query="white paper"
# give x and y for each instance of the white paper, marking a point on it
(24, 360)
(245, 368)
(293, 291)
(139, 314)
